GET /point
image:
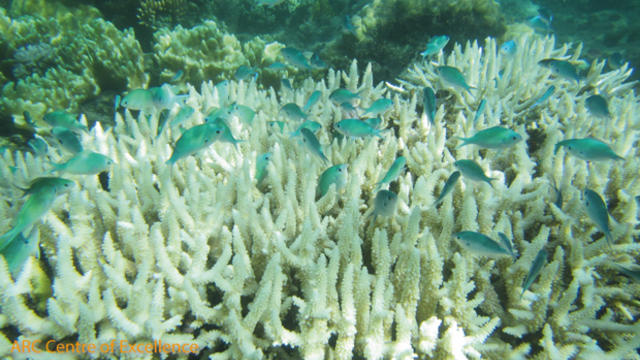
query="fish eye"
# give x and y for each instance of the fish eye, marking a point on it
(514, 137)
(218, 131)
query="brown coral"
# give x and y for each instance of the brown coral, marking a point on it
(160, 13)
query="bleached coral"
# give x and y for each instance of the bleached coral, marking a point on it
(195, 252)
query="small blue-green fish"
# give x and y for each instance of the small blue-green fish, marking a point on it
(28, 118)
(310, 140)
(314, 126)
(67, 139)
(63, 119)
(193, 140)
(295, 57)
(506, 243)
(453, 77)
(394, 171)
(540, 24)
(183, 115)
(261, 166)
(480, 244)
(632, 273)
(138, 99)
(37, 204)
(378, 107)
(435, 44)
(480, 110)
(348, 110)
(495, 137)
(561, 68)
(269, 3)
(116, 104)
(336, 174)
(276, 125)
(340, 96)
(163, 119)
(545, 13)
(286, 83)
(38, 146)
(225, 113)
(598, 213)
(545, 96)
(508, 48)
(85, 163)
(163, 97)
(536, 267)
(558, 201)
(243, 72)
(18, 252)
(374, 122)
(588, 149)
(448, 186)
(316, 62)
(616, 61)
(473, 171)
(313, 99)
(293, 111)
(348, 25)
(226, 135)
(384, 204)
(276, 66)
(597, 106)
(245, 114)
(222, 88)
(356, 128)
(429, 104)
(45, 182)
(177, 76)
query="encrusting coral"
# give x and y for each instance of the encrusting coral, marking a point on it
(207, 52)
(196, 252)
(84, 58)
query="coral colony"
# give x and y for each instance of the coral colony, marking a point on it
(449, 214)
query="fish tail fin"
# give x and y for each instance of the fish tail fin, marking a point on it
(465, 141)
(171, 160)
(236, 142)
(8, 237)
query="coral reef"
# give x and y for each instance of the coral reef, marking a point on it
(206, 52)
(196, 252)
(81, 60)
(388, 32)
(604, 28)
(161, 13)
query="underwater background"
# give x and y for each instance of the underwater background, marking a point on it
(319, 179)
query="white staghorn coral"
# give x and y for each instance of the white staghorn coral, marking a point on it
(195, 252)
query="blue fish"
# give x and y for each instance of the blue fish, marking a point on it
(434, 45)
(316, 62)
(313, 99)
(480, 110)
(545, 96)
(286, 84)
(508, 48)
(540, 24)
(429, 104)
(295, 58)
